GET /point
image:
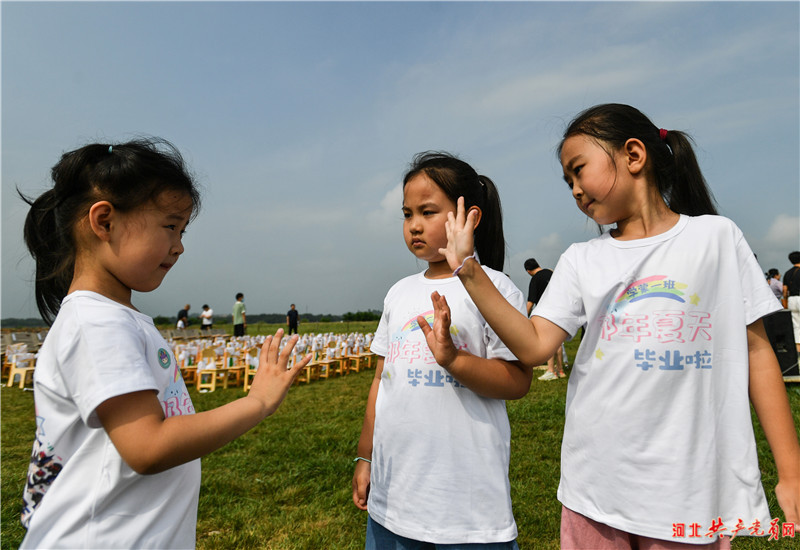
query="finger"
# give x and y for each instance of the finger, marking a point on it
(286, 352)
(445, 305)
(300, 365)
(469, 224)
(460, 212)
(263, 356)
(423, 324)
(443, 310)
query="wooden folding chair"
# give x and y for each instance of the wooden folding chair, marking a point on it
(310, 372)
(206, 379)
(251, 357)
(354, 362)
(231, 366)
(22, 364)
(329, 364)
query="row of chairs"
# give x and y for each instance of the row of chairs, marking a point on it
(32, 339)
(230, 368)
(324, 366)
(191, 333)
(240, 370)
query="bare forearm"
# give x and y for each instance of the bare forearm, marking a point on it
(493, 378)
(768, 395)
(516, 331)
(181, 439)
(150, 443)
(368, 427)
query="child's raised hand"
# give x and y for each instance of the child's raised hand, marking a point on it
(272, 380)
(438, 337)
(459, 229)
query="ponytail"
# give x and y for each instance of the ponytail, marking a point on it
(53, 252)
(685, 190)
(671, 158)
(490, 242)
(457, 179)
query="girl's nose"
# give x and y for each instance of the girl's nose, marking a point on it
(413, 224)
(178, 248)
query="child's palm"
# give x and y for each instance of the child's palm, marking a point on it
(438, 337)
(459, 229)
(273, 379)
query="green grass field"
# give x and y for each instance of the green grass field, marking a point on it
(286, 483)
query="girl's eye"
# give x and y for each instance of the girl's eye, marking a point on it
(171, 227)
(577, 169)
(406, 215)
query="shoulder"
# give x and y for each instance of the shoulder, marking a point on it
(92, 308)
(404, 283)
(500, 280)
(712, 224)
(91, 318)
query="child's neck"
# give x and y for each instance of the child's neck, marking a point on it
(111, 289)
(647, 223)
(438, 270)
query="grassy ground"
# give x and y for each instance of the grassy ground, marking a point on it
(286, 483)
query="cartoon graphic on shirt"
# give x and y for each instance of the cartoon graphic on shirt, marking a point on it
(164, 358)
(409, 354)
(176, 398)
(42, 472)
(670, 339)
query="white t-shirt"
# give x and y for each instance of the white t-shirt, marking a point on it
(658, 430)
(80, 492)
(440, 452)
(207, 317)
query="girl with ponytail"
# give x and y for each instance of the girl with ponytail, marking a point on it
(432, 464)
(116, 459)
(658, 436)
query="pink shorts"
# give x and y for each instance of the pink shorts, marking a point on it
(581, 533)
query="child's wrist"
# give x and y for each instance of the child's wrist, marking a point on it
(464, 268)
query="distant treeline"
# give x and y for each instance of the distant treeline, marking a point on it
(13, 322)
(272, 318)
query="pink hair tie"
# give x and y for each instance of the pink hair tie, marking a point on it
(459, 268)
(662, 133)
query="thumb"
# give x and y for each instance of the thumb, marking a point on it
(423, 324)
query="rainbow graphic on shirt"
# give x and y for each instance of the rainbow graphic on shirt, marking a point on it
(656, 286)
(412, 324)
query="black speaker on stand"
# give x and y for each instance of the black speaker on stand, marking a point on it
(779, 330)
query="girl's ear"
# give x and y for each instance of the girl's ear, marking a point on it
(635, 155)
(101, 216)
(478, 214)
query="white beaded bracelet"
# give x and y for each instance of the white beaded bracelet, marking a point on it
(459, 268)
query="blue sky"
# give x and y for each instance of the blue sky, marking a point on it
(299, 120)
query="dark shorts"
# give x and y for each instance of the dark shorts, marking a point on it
(380, 538)
(238, 330)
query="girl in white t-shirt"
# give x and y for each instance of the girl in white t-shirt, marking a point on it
(658, 448)
(432, 465)
(115, 463)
